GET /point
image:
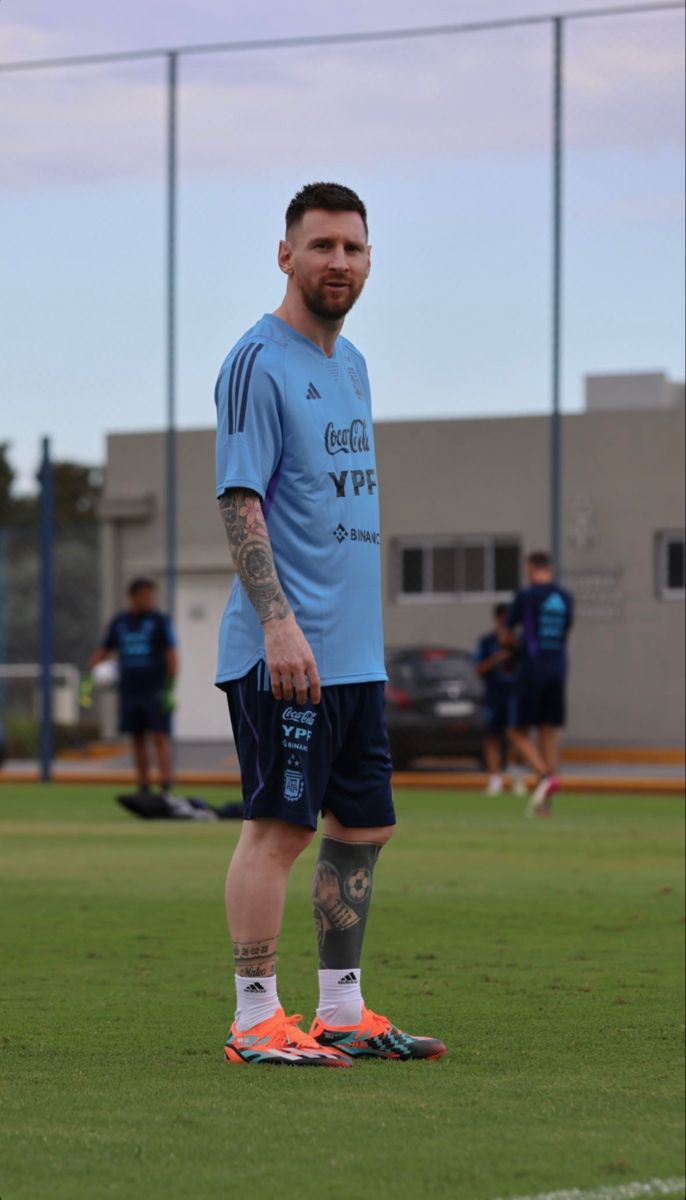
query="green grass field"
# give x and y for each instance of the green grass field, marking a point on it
(547, 954)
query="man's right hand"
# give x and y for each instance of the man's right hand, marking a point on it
(290, 661)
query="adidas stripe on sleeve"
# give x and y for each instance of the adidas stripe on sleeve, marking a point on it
(249, 437)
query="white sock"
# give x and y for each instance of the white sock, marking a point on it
(256, 1000)
(340, 996)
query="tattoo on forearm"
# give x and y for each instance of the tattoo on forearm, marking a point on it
(251, 550)
(255, 959)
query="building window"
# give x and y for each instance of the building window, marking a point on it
(445, 569)
(671, 565)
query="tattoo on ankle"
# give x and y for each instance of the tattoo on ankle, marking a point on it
(255, 959)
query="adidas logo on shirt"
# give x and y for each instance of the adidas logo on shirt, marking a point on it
(312, 393)
(351, 977)
(255, 987)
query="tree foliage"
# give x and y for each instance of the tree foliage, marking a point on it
(77, 490)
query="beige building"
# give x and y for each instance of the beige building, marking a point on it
(462, 501)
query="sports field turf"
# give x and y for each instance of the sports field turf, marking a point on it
(547, 954)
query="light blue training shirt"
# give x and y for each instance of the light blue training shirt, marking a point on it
(295, 426)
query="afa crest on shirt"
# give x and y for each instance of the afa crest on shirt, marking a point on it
(356, 382)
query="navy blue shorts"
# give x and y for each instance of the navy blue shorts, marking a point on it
(143, 713)
(301, 760)
(497, 712)
(539, 697)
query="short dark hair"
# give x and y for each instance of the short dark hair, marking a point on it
(499, 610)
(139, 584)
(332, 197)
(540, 560)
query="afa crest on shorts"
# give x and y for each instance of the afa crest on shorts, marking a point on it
(293, 782)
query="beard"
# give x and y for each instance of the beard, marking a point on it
(331, 308)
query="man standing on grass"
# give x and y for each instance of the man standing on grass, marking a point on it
(301, 643)
(544, 612)
(497, 665)
(143, 640)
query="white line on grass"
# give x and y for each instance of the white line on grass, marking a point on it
(622, 1191)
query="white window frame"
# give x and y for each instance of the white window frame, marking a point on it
(664, 538)
(425, 544)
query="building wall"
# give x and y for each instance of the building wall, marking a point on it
(623, 483)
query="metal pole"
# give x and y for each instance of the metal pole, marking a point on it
(46, 609)
(556, 357)
(170, 461)
(4, 607)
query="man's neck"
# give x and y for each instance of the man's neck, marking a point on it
(322, 332)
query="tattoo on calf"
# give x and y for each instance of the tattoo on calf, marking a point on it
(251, 550)
(326, 894)
(341, 894)
(255, 959)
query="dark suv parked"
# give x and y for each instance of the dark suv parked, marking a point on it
(433, 704)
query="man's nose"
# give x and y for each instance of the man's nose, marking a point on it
(338, 260)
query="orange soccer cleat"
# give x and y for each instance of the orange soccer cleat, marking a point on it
(279, 1041)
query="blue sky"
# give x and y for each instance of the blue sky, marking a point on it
(447, 140)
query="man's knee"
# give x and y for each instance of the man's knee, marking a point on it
(378, 835)
(276, 840)
(383, 834)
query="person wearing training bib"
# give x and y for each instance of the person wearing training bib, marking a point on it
(543, 615)
(497, 666)
(142, 640)
(301, 641)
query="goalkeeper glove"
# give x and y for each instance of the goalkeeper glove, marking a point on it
(169, 696)
(86, 691)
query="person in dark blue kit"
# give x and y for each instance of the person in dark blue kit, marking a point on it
(497, 665)
(544, 613)
(143, 640)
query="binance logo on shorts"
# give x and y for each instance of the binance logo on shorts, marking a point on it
(293, 781)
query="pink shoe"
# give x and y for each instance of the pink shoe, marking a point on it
(540, 804)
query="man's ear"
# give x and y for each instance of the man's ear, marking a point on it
(285, 258)
(369, 263)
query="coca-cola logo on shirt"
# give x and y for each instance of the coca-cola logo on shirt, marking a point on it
(353, 439)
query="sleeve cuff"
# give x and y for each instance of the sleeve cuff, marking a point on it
(249, 484)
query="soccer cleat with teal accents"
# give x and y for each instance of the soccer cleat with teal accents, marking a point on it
(375, 1037)
(279, 1041)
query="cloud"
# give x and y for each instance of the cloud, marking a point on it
(472, 96)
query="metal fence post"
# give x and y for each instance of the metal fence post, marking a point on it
(46, 609)
(556, 348)
(170, 460)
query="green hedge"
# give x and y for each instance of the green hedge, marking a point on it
(22, 736)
